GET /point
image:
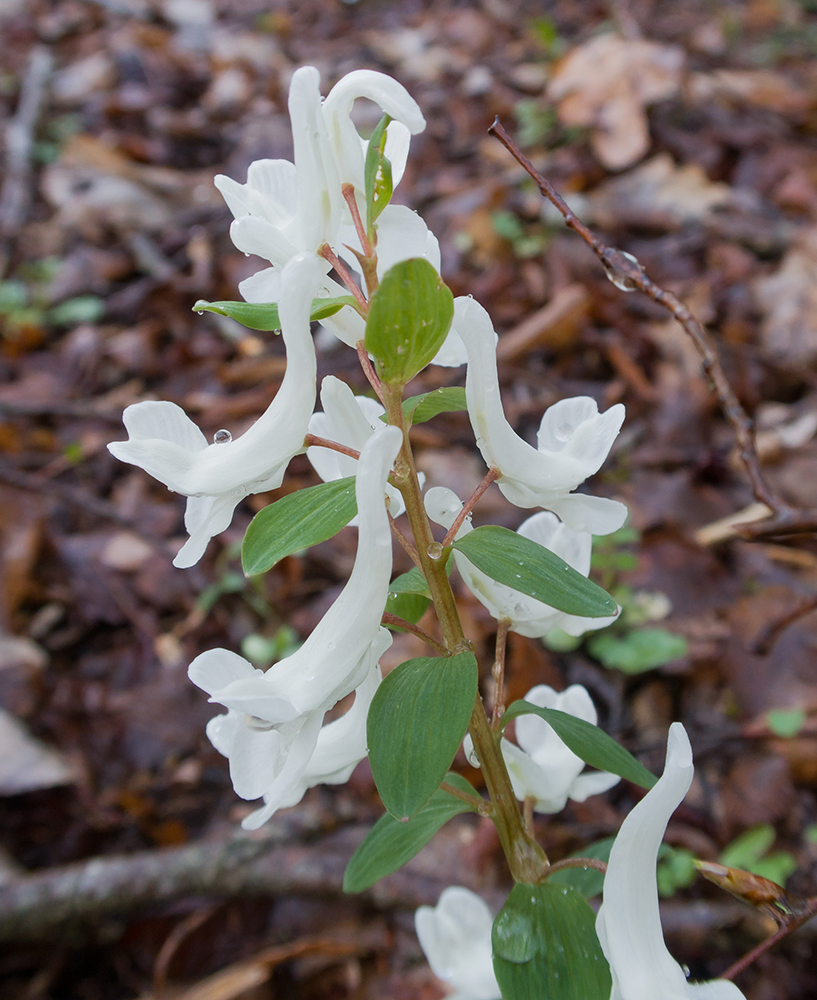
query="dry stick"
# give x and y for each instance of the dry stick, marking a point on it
(791, 925)
(498, 671)
(772, 632)
(390, 619)
(490, 477)
(627, 274)
(15, 198)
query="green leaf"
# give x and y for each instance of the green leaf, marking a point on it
(264, 315)
(409, 607)
(747, 849)
(418, 409)
(545, 946)
(588, 881)
(80, 309)
(412, 582)
(587, 741)
(534, 570)
(637, 651)
(416, 723)
(297, 521)
(786, 722)
(390, 843)
(410, 315)
(676, 869)
(377, 174)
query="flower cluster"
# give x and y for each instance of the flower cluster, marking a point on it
(305, 218)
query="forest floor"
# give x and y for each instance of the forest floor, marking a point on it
(688, 138)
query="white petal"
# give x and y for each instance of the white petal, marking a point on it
(592, 783)
(391, 96)
(221, 731)
(287, 778)
(402, 235)
(204, 517)
(549, 788)
(339, 653)
(263, 286)
(575, 547)
(215, 669)
(456, 938)
(595, 515)
(629, 923)
(319, 193)
(276, 182)
(257, 236)
(254, 759)
(398, 140)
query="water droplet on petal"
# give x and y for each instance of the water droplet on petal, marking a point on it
(222, 437)
(618, 276)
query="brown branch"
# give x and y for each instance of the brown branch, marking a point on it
(792, 924)
(772, 632)
(81, 899)
(627, 274)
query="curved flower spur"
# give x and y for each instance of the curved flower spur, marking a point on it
(573, 440)
(629, 922)
(166, 443)
(281, 711)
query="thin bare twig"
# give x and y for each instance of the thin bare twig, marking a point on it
(772, 632)
(627, 274)
(791, 925)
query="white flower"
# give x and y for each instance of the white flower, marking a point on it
(541, 765)
(527, 615)
(281, 711)
(629, 922)
(456, 938)
(340, 747)
(166, 443)
(572, 443)
(287, 207)
(349, 420)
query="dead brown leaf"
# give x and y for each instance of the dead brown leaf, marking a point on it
(607, 83)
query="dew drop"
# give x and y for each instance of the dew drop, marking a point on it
(222, 437)
(435, 551)
(514, 936)
(617, 275)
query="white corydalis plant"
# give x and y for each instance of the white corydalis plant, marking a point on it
(282, 709)
(629, 921)
(166, 443)
(573, 441)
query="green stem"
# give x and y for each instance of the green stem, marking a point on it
(526, 858)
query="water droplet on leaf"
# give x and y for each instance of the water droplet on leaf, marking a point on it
(514, 936)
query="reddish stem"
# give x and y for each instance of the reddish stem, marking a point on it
(491, 477)
(368, 370)
(329, 255)
(313, 441)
